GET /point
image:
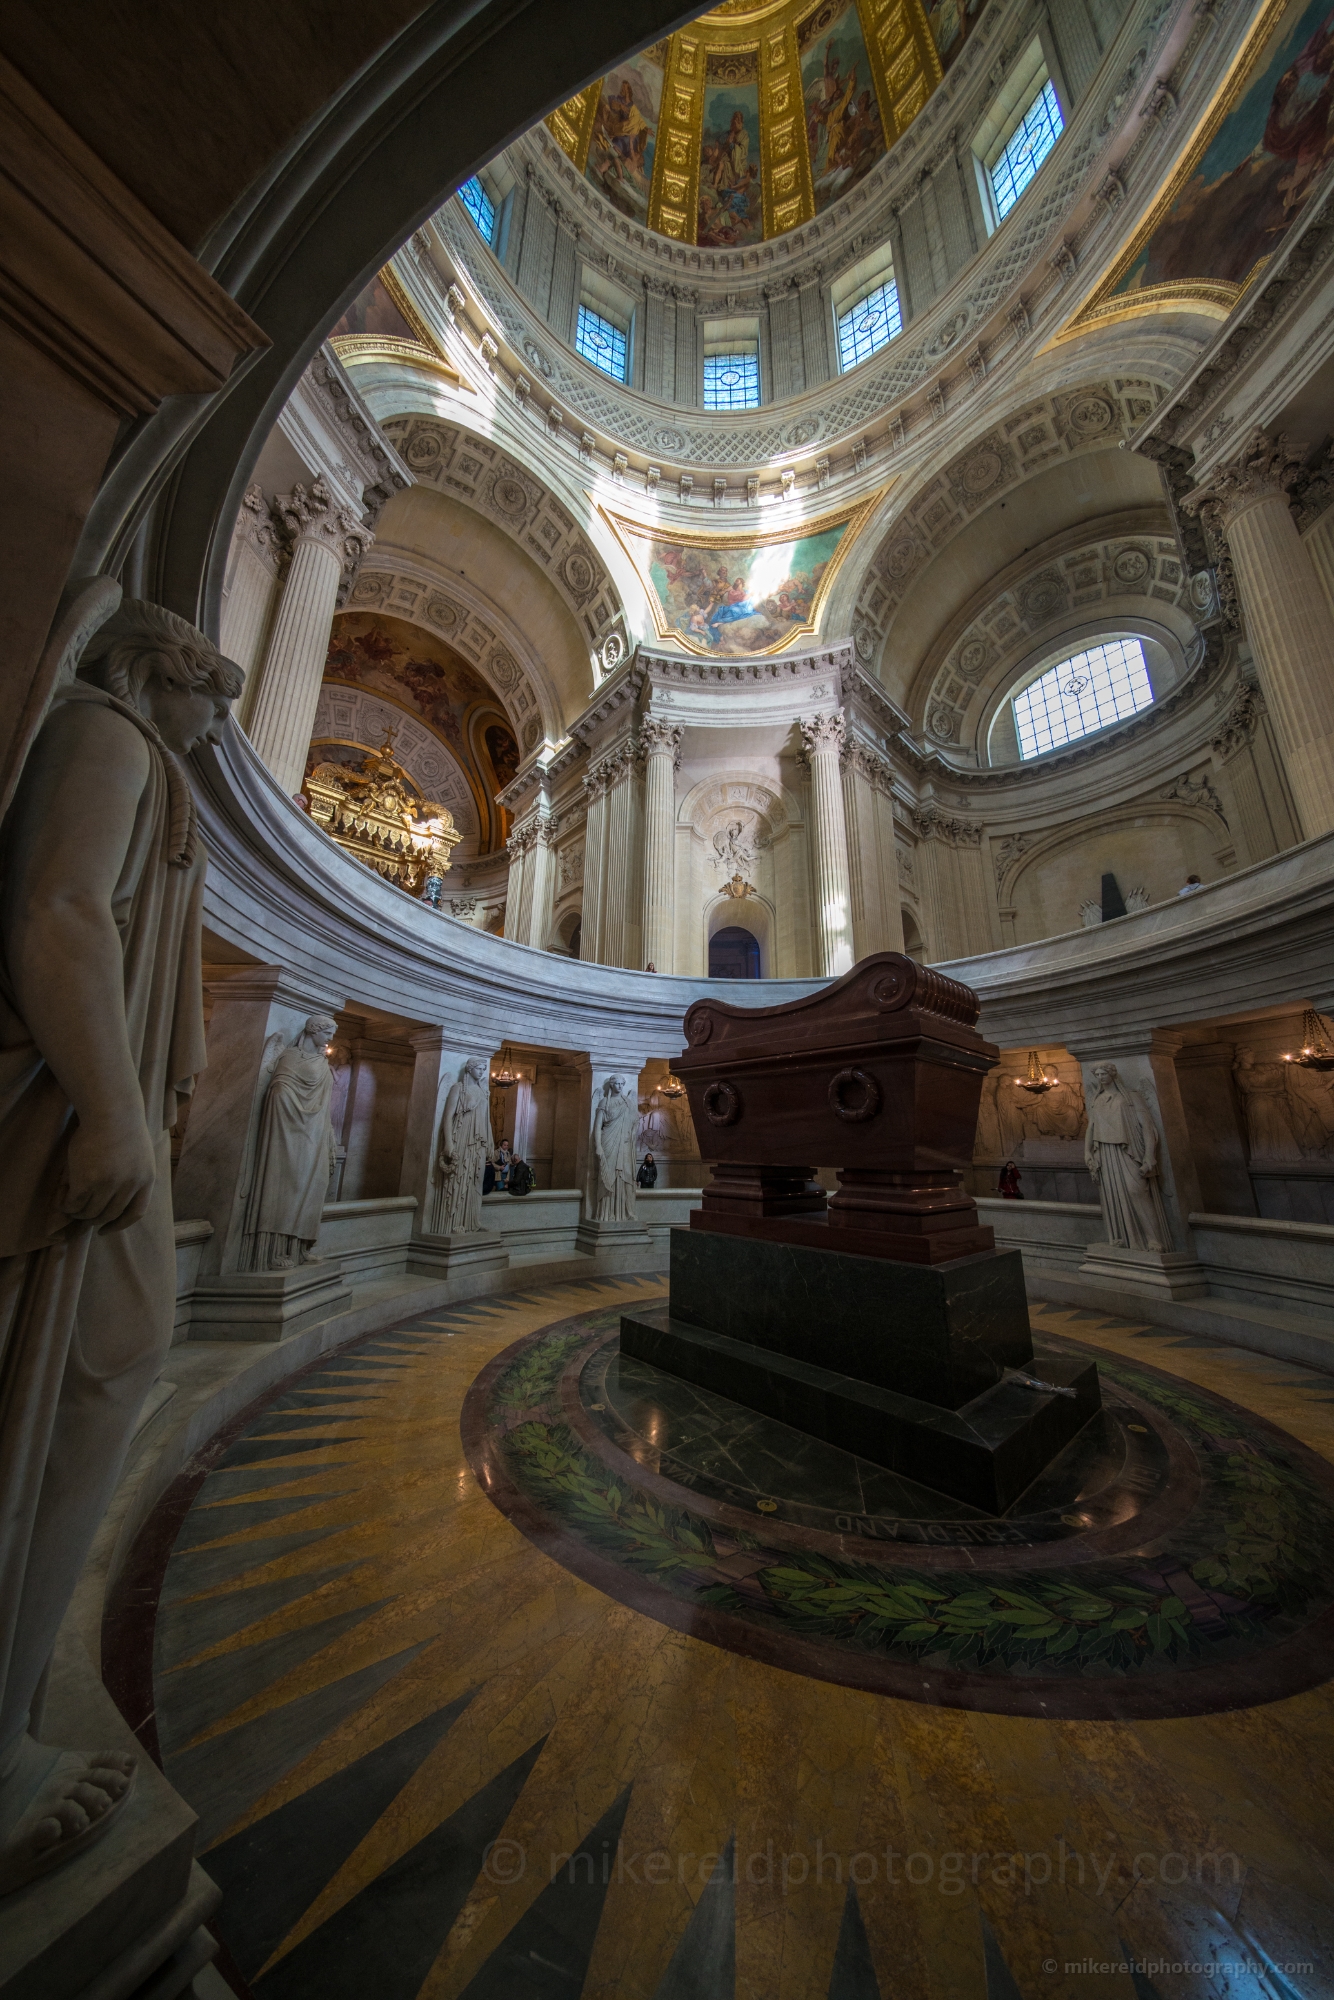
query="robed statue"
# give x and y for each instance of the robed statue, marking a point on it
(1121, 1152)
(101, 1036)
(294, 1156)
(463, 1150)
(615, 1126)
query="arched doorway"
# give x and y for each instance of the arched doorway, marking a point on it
(734, 953)
(912, 937)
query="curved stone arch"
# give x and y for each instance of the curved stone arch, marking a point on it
(754, 913)
(1127, 571)
(458, 611)
(1015, 855)
(924, 515)
(742, 790)
(487, 475)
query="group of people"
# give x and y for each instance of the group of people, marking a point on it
(505, 1174)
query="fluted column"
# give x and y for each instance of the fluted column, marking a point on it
(661, 743)
(1287, 616)
(823, 738)
(542, 867)
(328, 539)
(252, 591)
(519, 887)
(595, 835)
(619, 935)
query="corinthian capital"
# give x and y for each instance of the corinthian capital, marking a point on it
(660, 739)
(1264, 469)
(822, 733)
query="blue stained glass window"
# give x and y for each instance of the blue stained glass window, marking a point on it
(1026, 148)
(869, 325)
(1103, 685)
(732, 381)
(480, 207)
(601, 342)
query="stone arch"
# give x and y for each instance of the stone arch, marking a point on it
(926, 518)
(755, 914)
(457, 610)
(477, 471)
(1042, 880)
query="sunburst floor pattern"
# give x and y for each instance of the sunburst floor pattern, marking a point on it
(430, 1761)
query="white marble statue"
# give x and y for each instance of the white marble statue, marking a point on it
(615, 1122)
(1121, 1152)
(463, 1150)
(101, 1036)
(294, 1156)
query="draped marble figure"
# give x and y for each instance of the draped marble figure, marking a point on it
(465, 1143)
(1121, 1152)
(101, 1036)
(615, 1124)
(295, 1154)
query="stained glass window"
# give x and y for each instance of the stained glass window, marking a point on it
(732, 381)
(1026, 148)
(1087, 692)
(480, 207)
(869, 325)
(602, 342)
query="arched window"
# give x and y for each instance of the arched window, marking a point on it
(734, 953)
(1089, 691)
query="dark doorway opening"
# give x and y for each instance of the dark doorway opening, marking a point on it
(576, 939)
(734, 953)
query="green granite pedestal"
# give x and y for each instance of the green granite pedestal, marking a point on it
(913, 1367)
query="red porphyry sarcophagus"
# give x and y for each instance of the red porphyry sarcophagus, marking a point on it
(879, 1075)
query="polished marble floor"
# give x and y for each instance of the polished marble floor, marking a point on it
(431, 1759)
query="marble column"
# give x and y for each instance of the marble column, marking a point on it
(519, 887)
(1145, 1061)
(257, 1010)
(823, 738)
(620, 932)
(254, 585)
(595, 841)
(438, 1060)
(328, 543)
(542, 888)
(661, 743)
(1286, 612)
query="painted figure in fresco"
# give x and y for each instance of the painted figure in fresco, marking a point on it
(1244, 192)
(1297, 128)
(1121, 1153)
(627, 129)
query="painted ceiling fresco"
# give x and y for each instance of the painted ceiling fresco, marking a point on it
(1248, 177)
(729, 595)
(421, 674)
(752, 120)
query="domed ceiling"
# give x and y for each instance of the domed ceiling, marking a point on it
(756, 117)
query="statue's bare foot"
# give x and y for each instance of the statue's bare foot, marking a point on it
(54, 1803)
